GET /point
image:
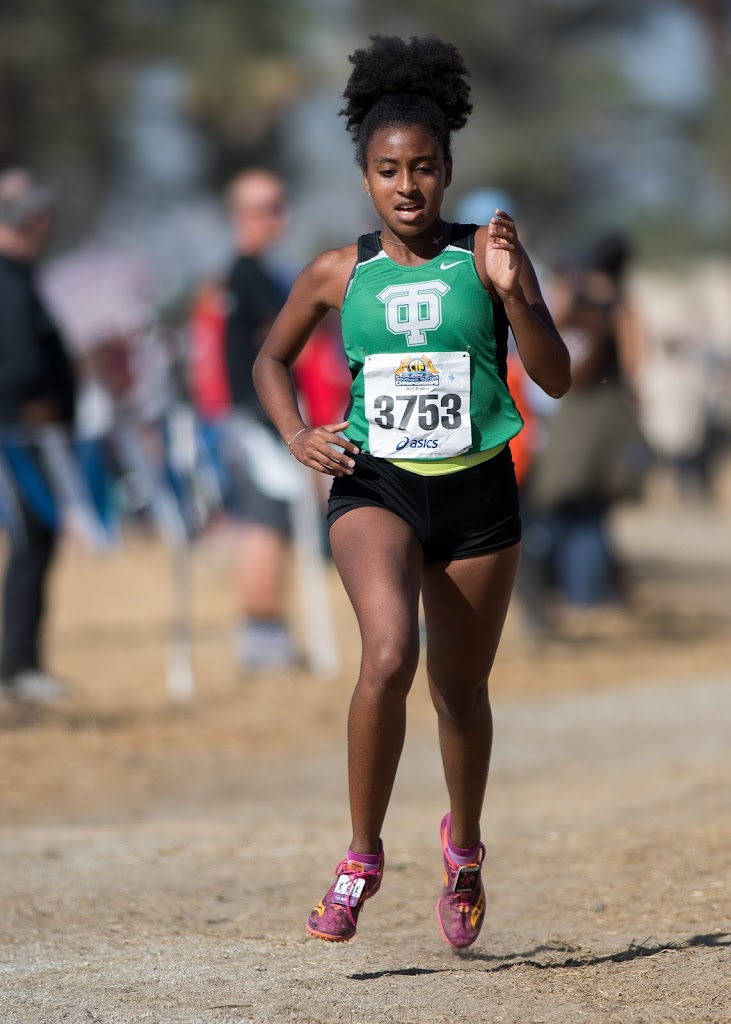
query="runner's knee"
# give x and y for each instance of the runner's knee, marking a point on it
(388, 667)
(459, 703)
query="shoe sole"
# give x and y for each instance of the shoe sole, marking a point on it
(329, 938)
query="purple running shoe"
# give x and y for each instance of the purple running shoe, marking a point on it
(336, 915)
(461, 907)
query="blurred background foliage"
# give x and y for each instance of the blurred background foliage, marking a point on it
(590, 113)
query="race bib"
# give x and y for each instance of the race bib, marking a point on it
(418, 406)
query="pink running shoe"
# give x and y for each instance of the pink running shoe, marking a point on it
(461, 907)
(336, 915)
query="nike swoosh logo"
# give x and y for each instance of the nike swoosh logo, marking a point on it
(447, 266)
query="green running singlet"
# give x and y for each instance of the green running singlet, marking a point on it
(427, 349)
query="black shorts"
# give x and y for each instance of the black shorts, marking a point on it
(460, 515)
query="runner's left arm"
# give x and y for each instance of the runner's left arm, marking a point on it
(510, 273)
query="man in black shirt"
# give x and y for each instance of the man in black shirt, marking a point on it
(258, 208)
(259, 215)
(37, 388)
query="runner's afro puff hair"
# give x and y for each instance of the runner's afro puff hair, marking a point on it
(395, 83)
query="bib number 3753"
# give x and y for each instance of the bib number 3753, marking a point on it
(418, 407)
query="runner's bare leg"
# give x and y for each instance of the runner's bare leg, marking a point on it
(380, 562)
(465, 604)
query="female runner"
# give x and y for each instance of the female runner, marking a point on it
(424, 498)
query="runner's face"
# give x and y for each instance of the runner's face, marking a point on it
(406, 175)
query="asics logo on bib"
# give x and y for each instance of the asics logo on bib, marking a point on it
(418, 442)
(414, 309)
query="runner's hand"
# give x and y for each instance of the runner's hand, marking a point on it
(503, 254)
(316, 447)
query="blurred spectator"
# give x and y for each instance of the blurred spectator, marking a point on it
(674, 391)
(323, 382)
(37, 388)
(103, 294)
(534, 574)
(207, 358)
(322, 376)
(594, 455)
(259, 216)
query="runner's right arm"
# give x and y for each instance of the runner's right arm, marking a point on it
(320, 287)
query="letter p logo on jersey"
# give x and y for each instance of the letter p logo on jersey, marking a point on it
(414, 309)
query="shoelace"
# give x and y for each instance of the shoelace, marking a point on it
(355, 871)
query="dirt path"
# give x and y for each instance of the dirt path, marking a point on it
(608, 832)
(157, 866)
